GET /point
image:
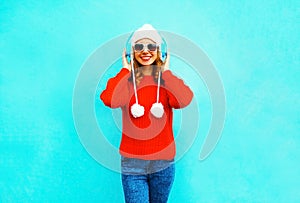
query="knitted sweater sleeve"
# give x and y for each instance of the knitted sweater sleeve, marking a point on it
(179, 94)
(116, 93)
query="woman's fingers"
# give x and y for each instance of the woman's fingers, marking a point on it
(124, 61)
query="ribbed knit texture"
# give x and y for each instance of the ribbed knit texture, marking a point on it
(147, 137)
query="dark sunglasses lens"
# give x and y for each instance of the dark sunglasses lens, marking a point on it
(138, 47)
(152, 47)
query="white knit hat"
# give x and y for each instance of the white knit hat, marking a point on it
(146, 31)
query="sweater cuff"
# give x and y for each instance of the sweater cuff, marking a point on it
(124, 71)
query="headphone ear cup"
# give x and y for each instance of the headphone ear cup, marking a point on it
(163, 50)
(128, 56)
(163, 56)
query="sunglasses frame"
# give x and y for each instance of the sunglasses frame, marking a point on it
(145, 46)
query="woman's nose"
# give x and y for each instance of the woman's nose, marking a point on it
(145, 51)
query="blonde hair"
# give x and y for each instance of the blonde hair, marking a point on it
(157, 65)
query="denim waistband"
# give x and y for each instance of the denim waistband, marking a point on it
(132, 166)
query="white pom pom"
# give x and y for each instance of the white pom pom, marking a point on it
(157, 110)
(137, 110)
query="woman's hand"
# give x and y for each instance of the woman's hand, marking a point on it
(167, 63)
(125, 62)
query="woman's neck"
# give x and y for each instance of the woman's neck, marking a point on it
(147, 70)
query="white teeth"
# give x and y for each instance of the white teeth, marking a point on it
(146, 57)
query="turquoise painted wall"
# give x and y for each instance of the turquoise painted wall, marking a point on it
(253, 44)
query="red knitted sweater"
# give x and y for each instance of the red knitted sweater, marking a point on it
(147, 137)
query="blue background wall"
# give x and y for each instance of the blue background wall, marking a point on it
(253, 44)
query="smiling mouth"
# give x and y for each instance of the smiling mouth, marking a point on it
(145, 58)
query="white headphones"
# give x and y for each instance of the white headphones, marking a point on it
(137, 110)
(147, 31)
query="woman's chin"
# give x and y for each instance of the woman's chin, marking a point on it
(146, 64)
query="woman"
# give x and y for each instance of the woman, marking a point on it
(146, 91)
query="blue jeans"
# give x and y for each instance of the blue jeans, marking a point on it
(147, 181)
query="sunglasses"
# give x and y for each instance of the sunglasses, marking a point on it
(141, 47)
